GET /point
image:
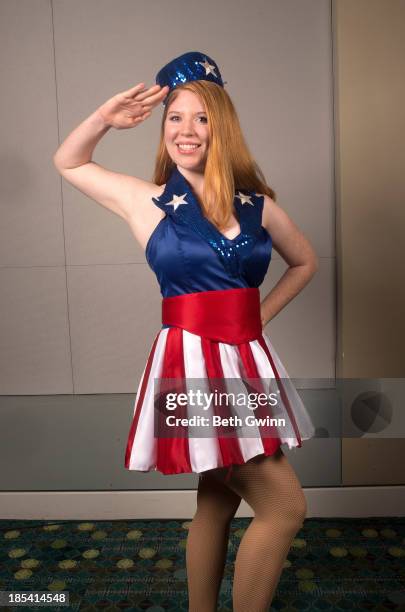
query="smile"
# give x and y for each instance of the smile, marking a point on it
(187, 147)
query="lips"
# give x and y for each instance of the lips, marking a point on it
(188, 149)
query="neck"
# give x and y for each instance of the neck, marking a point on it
(195, 178)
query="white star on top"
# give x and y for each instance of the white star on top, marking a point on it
(209, 68)
(177, 200)
(244, 198)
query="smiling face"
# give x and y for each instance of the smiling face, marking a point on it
(187, 124)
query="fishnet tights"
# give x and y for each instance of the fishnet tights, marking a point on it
(271, 488)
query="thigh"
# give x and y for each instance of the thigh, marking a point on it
(266, 483)
(215, 497)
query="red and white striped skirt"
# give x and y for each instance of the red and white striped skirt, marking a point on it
(192, 360)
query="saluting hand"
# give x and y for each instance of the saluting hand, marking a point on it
(129, 108)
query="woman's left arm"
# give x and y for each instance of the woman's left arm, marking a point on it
(297, 252)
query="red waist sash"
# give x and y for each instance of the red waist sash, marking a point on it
(229, 315)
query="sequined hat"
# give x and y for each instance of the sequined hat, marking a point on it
(191, 66)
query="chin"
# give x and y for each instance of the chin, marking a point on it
(197, 166)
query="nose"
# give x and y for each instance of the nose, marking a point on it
(187, 127)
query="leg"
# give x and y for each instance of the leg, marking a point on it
(270, 486)
(207, 542)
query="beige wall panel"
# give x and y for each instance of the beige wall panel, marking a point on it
(31, 228)
(34, 332)
(372, 462)
(115, 314)
(370, 128)
(370, 62)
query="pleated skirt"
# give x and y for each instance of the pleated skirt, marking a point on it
(194, 361)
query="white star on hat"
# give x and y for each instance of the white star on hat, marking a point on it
(177, 200)
(209, 68)
(244, 198)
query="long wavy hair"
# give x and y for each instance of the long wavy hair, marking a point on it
(229, 166)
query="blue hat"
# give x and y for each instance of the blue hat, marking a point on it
(191, 66)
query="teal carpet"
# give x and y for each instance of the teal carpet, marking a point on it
(333, 564)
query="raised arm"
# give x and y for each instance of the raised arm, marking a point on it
(73, 159)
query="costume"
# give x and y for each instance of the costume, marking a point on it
(198, 405)
(211, 337)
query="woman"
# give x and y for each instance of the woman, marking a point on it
(208, 223)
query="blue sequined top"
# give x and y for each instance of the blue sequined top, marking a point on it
(189, 254)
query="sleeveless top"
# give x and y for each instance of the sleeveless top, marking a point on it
(189, 254)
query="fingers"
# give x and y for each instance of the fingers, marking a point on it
(134, 90)
(154, 93)
(152, 96)
(155, 99)
(141, 118)
(140, 92)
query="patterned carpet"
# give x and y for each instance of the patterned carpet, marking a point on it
(333, 564)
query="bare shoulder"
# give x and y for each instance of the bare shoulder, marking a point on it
(288, 240)
(138, 194)
(275, 219)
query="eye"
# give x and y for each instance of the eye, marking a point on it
(204, 119)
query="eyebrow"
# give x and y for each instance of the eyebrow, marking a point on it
(180, 113)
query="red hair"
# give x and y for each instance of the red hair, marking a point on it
(229, 166)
